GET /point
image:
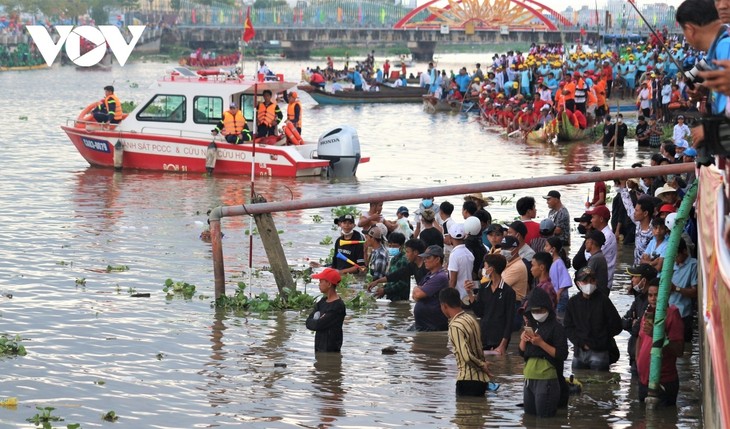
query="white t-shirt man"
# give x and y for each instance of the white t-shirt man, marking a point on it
(680, 132)
(461, 263)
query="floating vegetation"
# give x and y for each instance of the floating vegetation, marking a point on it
(10, 402)
(316, 218)
(110, 416)
(64, 263)
(116, 268)
(44, 417)
(100, 382)
(11, 346)
(173, 288)
(128, 106)
(80, 281)
(326, 241)
(248, 232)
(23, 118)
(292, 300)
(344, 210)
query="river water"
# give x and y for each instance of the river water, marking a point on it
(162, 363)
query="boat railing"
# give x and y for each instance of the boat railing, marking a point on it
(171, 132)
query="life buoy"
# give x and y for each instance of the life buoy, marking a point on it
(86, 115)
(292, 135)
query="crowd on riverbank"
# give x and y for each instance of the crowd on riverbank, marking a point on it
(515, 276)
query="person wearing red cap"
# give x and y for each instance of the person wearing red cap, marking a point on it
(329, 313)
(600, 216)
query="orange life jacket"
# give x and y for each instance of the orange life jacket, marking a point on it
(118, 114)
(266, 114)
(570, 88)
(290, 113)
(233, 124)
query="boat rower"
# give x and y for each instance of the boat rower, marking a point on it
(233, 126)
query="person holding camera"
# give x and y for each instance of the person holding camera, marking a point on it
(704, 31)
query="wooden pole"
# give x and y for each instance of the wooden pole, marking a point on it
(218, 272)
(274, 250)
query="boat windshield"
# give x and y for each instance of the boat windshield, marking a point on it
(164, 108)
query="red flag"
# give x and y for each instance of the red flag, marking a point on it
(248, 30)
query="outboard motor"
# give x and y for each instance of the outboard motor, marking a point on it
(341, 147)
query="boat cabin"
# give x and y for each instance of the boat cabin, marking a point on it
(190, 104)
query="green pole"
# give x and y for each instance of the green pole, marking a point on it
(665, 286)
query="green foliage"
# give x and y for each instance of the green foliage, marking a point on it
(81, 281)
(343, 210)
(316, 218)
(110, 416)
(354, 300)
(11, 346)
(128, 106)
(44, 417)
(116, 268)
(173, 288)
(292, 299)
(326, 241)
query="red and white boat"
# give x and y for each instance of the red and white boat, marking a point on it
(171, 131)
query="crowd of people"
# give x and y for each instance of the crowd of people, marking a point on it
(200, 58)
(483, 281)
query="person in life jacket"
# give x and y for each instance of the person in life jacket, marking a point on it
(110, 108)
(268, 116)
(233, 126)
(294, 111)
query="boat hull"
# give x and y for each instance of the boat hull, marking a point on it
(390, 95)
(567, 132)
(180, 154)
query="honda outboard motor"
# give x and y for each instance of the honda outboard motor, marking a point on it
(341, 147)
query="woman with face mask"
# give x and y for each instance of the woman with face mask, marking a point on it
(493, 301)
(544, 347)
(591, 322)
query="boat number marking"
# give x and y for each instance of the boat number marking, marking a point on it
(97, 145)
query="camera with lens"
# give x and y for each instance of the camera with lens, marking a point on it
(701, 65)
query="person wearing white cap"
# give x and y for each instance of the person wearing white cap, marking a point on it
(680, 131)
(680, 146)
(461, 260)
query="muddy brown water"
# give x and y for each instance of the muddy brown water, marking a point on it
(162, 363)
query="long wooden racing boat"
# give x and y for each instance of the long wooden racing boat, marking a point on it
(567, 132)
(407, 94)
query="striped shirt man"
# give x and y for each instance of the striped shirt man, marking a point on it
(466, 339)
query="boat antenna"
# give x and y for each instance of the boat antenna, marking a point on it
(661, 41)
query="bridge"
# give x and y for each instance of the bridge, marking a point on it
(380, 23)
(298, 42)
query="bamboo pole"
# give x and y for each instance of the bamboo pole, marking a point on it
(439, 191)
(665, 286)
